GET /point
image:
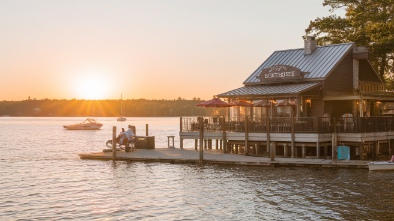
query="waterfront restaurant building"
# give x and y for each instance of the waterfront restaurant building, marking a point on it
(302, 102)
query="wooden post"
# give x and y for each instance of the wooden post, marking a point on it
(180, 131)
(269, 145)
(146, 129)
(334, 147)
(334, 143)
(285, 150)
(180, 124)
(181, 143)
(272, 150)
(292, 134)
(268, 135)
(246, 136)
(217, 144)
(224, 135)
(303, 150)
(360, 150)
(195, 144)
(201, 122)
(317, 149)
(114, 141)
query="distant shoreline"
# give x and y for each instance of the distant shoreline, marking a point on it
(104, 108)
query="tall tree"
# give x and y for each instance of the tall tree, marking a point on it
(366, 23)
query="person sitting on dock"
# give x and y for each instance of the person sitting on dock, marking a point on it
(130, 137)
(120, 139)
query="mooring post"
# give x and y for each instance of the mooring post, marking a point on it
(180, 131)
(180, 124)
(201, 124)
(272, 150)
(246, 136)
(292, 134)
(224, 136)
(146, 129)
(334, 147)
(268, 135)
(334, 143)
(285, 150)
(114, 141)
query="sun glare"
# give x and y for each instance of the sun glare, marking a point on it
(92, 86)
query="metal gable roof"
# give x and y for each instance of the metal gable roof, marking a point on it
(266, 90)
(317, 65)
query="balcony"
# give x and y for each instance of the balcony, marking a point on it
(289, 125)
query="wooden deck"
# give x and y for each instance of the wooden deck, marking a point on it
(213, 156)
(368, 138)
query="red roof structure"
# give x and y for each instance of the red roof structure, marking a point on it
(216, 102)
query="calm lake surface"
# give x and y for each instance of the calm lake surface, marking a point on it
(42, 178)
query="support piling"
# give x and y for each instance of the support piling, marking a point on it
(114, 141)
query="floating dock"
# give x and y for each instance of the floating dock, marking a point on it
(213, 156)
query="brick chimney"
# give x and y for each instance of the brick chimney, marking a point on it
(309, 45)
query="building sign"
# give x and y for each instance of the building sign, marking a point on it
(278, 73)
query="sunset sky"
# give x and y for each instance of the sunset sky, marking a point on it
(152, 49)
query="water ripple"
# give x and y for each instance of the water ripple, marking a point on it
(42, 178)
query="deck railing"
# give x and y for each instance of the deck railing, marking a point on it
(287, 124)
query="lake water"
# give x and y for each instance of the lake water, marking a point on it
(42, 178)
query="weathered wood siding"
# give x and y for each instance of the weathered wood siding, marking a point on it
(341, 79)
(367, 73)
(317, 107)
(338, 108)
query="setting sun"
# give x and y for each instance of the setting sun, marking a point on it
(92, 86)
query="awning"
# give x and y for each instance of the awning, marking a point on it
(270, 90)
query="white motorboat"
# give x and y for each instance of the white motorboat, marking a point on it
(381, 165)
(88, 124)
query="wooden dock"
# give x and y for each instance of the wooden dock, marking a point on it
(213, 156)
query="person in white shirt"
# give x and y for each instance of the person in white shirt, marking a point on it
(130, 137)
(129, 133)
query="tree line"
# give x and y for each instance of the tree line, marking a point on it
(367, 23)
(106, 108)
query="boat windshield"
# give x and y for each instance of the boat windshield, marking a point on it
(91, 120)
